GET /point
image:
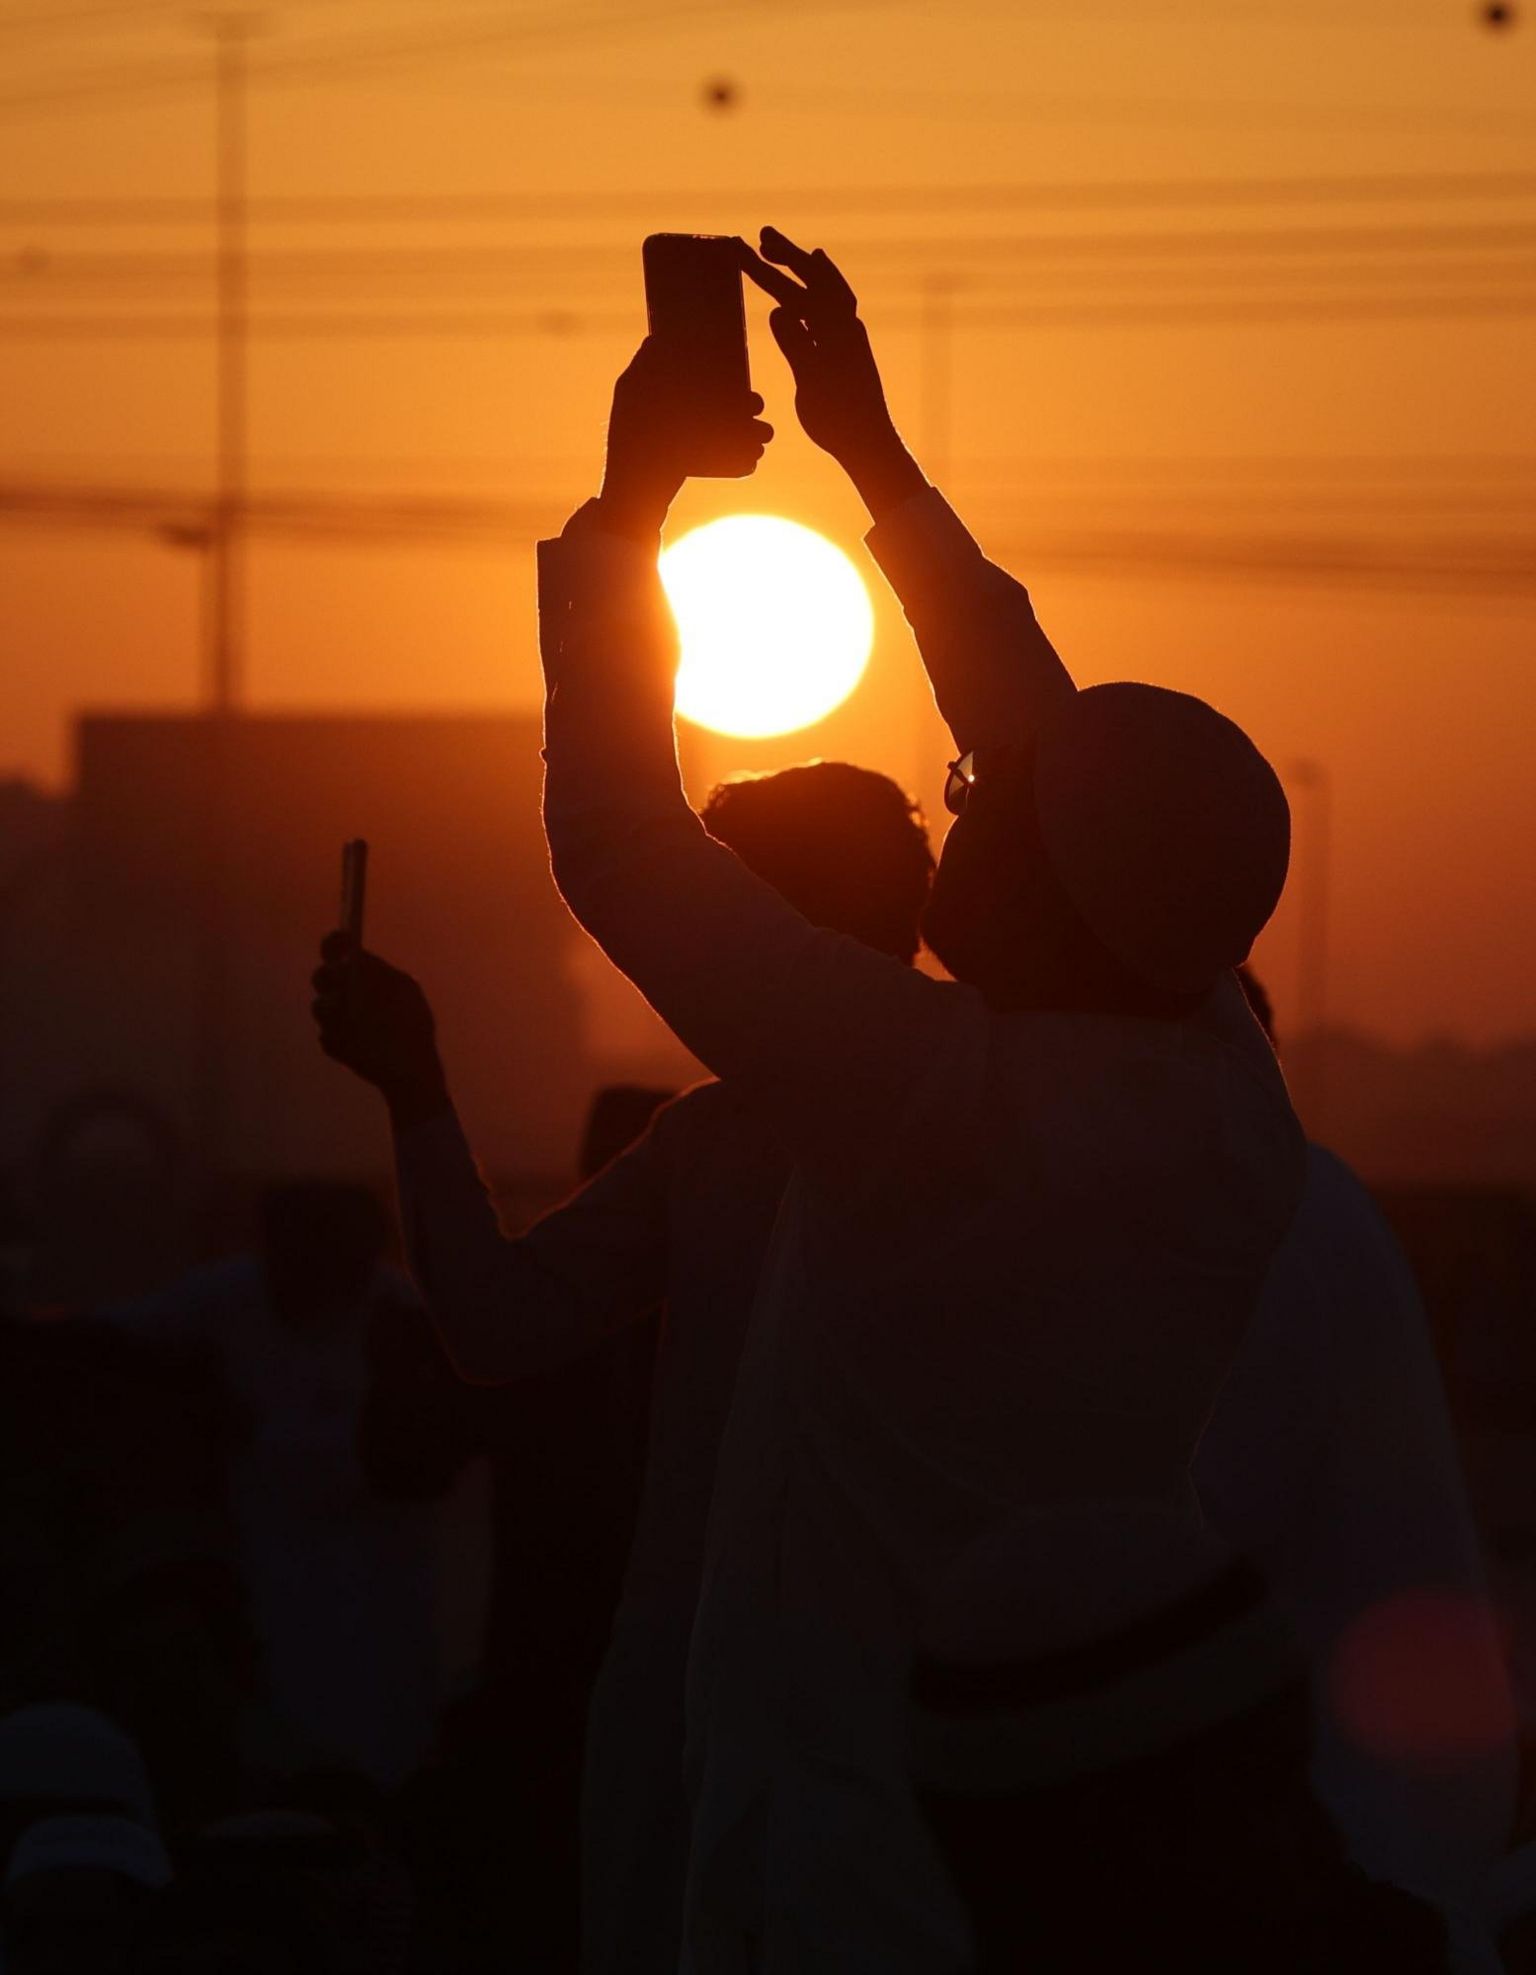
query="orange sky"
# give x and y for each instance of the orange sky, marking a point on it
(1136, 385)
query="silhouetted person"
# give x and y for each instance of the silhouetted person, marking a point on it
(1031, 1210)
(1330, 1459)
(104, 1181)
(341, 1584)
(683, 1217)
(564, 1447)
(118, 1578)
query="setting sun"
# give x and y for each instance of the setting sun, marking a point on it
(775, 622)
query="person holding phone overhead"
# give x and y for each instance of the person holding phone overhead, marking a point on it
(681, 1218)
(1030, 1209)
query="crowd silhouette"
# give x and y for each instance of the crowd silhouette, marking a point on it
(970, 1486)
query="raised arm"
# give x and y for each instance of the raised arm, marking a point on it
(993, 670)
(508, 1306)
(505, 1307)
(757, 992)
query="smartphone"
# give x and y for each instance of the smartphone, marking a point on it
(694, 305)
(354, 886)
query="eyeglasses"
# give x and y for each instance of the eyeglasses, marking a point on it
(959, 783)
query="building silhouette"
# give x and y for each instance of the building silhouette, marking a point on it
(160, 925)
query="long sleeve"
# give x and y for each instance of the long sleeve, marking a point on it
(993, 670)
(812, 1024)
(420, 1426)
(506, 1307)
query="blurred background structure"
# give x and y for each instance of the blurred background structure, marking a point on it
(175, 825)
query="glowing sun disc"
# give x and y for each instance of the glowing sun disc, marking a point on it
(774, 621)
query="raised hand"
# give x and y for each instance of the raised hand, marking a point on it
(376, 1020)
(654, 438)
(838, 394)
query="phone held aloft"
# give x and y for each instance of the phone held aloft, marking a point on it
(354, 885)
(694, 303)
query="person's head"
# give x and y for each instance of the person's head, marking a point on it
(321, 1241)
(105, 1186)
(846, 846)
(1120, 864)
(1000, 918)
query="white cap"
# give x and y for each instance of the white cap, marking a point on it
(90, 1844)
(66, 1753)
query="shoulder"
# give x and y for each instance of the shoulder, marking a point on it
(1180, 1130)
(1341, 1235)
(707, 1115)
(1336, 1192)
(1130, 1082)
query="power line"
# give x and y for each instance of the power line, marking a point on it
(949, 105)
(1462, 567)
(576, 307)
(1320, 502)
(568, 323)
(547, 280)
(1432, 569)
(881, 102)
(53, 23)
(1051, 472)
(1471, 484)
(540, 322)
(1387, 466)
(467, 36)
(157, 511)
(995, 253)
(1203, 15)
(625, 203)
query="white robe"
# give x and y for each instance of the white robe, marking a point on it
(1012, 1270)
(1330, 1459)
(683, 1216)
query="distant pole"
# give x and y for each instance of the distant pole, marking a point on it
(201, 537)
(223, 686)
(226, 653)
(1314, 903)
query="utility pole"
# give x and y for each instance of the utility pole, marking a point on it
(223, 683)
(226, 652)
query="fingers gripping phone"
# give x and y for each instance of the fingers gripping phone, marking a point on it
(694, 304)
